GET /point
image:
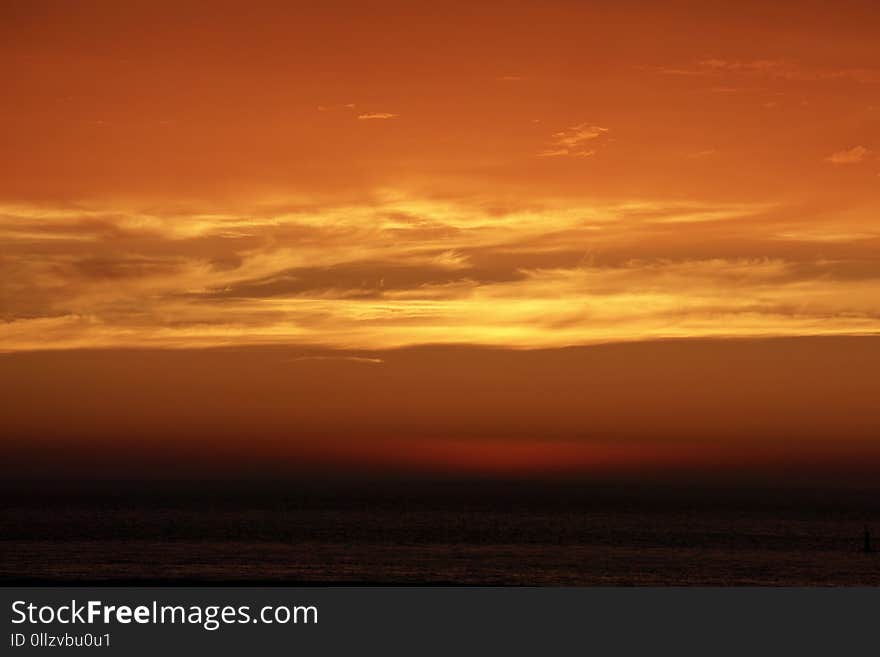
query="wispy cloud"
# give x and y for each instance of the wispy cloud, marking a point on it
(327, 108)
(401, 270)
(351, 359)
(573, 141)
(698, 155)
(377, 115)
(771, 68)
(852, 155)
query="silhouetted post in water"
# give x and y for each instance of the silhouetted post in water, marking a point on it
(867, 547)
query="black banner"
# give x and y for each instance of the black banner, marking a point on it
(420, 620)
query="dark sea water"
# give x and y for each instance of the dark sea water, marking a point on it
(520, 535)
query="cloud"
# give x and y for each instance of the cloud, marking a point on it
(377, 115)
(573, 141)
(327, 108)
(398, 270)
(852, 155)
(352, 359)
(772, 68)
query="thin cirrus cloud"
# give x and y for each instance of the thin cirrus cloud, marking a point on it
(377, 116)
(781, 69)
(852, 155)
(403, 270)
(574, 141)
(327, 108)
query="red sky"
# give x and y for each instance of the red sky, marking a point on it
(515, 176)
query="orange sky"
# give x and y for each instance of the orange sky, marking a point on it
(803, 407)
(511, 175)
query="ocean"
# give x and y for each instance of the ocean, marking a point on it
(449, 534)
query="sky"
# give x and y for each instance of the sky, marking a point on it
(350, 180)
